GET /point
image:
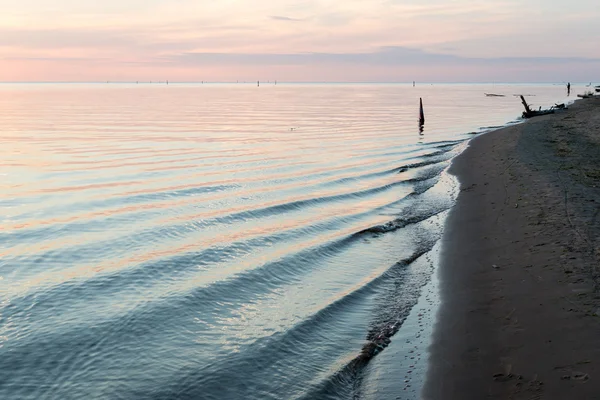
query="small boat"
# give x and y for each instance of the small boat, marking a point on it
(494, 95)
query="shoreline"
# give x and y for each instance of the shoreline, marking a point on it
(518, 317)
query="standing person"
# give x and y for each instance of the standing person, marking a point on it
(568, 88)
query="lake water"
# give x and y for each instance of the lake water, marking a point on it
(222, 241)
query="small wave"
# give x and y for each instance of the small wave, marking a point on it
(237, 289)
(400, 223)
(390, 316)
(22, 235)
(173, 267)
(157, 196)
(256, 358)
(485, 128)
(439, 157)
(451, 145)
(445, 143)
(299, 204)
(119, 201)
(364, 176)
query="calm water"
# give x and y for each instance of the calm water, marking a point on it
(221, 241)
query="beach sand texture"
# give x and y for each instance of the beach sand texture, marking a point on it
(520, 317)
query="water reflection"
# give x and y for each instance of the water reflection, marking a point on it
(185, 242)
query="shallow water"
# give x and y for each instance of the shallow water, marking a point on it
(221, 241)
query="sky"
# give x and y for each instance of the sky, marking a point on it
(300, 40)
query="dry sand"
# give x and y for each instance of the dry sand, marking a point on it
(520, 270)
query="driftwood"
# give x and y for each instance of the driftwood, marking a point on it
(529, 113)
(493, 95)
(586, 95)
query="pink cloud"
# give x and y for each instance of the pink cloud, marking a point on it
(309, 40)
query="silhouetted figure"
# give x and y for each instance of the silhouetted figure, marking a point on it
(421, 115)
(568, 88)
(413, 83)
(258, 83)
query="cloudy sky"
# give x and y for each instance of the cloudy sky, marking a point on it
(300, 40)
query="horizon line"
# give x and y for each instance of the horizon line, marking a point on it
(253, 82)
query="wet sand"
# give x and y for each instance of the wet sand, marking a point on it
(520, 264)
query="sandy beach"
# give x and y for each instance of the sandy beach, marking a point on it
(520, 314)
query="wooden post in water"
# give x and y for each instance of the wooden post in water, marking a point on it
(421, 113)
